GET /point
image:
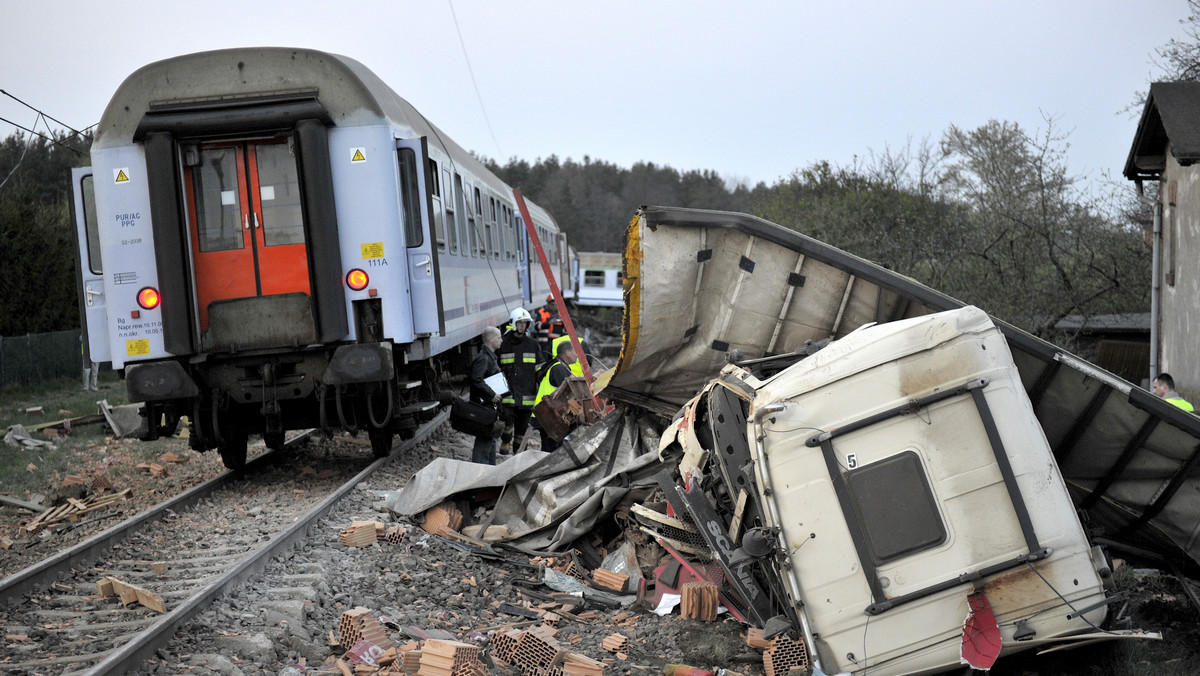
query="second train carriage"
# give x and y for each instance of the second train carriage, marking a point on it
(272, 239)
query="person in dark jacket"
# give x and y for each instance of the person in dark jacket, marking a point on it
(519, 356)
(483, 365)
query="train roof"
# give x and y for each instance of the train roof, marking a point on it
(348, 93)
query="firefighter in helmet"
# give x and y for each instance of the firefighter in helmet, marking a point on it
(519, 356)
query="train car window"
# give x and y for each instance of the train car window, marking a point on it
(497, 234)
(88, 188)
(593, 278)
(279, 195)
(506, 214)
(472, 226)
(620, 278)
(410, 197)
(451, 222)
(464, 210)
(489, 228)
(435, 192)
(218, 204)
(481, 240)
(521, 238)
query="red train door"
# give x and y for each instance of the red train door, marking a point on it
(247, 232)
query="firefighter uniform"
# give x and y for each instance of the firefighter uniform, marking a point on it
(519, 356)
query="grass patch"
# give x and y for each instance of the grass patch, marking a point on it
(712, 643)
(84, 446)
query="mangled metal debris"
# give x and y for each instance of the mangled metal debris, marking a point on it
(890, 485)
(704, 287)
(894, 499)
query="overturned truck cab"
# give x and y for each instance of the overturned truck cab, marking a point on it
(885, 489)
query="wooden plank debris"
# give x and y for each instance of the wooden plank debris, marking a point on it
(28, 506)
(154, 468)
(130, 593)
(72, 510)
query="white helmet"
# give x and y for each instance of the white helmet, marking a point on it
(519, 315)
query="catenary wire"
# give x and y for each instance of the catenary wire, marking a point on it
(26, 150)
(39, 112)
(471, 71)
(43, 136)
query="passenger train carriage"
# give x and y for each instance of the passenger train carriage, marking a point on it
(272, 239)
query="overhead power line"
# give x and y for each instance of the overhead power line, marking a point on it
(43, 136)
(473, 82)
(42, 113)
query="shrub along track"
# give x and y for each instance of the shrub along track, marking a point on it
(211, 538)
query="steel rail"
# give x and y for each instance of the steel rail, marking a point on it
(143, 646)
(22, 582)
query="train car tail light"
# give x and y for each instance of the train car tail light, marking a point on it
(357, 279)
(148, 298)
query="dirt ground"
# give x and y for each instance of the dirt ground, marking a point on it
(38, 474)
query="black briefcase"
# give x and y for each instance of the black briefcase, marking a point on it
(474, 419)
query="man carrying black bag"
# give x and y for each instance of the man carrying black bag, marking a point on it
(484, 365)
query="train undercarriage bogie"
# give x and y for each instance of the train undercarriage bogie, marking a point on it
(267, 395)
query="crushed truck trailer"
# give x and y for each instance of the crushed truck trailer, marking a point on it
(880, 462)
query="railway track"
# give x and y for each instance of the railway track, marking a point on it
(210, 539)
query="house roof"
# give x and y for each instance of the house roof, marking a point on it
(1171, 116)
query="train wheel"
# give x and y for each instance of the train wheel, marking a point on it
(233, 450)
(381, 443)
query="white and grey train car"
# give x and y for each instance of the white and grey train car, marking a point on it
(272, 239)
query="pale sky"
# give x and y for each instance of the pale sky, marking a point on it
(751, 90)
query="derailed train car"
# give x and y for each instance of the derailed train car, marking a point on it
(856, 490)
(272, 239)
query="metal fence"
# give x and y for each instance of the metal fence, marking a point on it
(39, 357)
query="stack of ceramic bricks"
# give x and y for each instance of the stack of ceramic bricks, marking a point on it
(449, 658)
(357, 625)
(607, 578)
(785, 655)
(699, 601)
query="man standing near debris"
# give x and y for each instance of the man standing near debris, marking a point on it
(519, 357)
(549, 326)
(1164, 387)
(484, 365)
(557, 375)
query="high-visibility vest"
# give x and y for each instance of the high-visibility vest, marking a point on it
(577, 367)
(545, 388)
(1183, 404)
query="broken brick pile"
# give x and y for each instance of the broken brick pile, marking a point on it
(367, 533)
(781, 654)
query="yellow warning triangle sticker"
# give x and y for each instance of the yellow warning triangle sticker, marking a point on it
(358, 156)
(121, 176)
